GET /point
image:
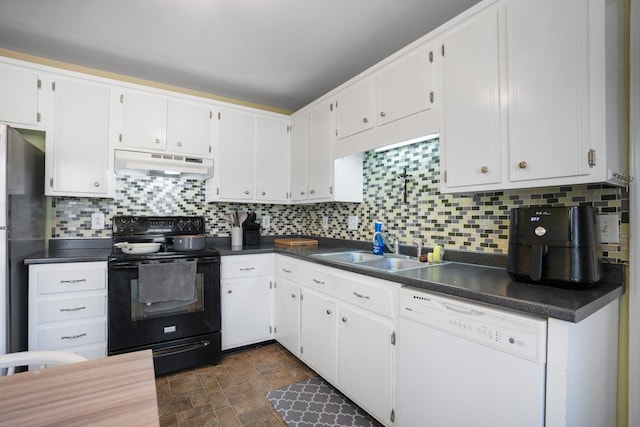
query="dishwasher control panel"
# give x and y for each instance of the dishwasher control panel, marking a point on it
(519, 334)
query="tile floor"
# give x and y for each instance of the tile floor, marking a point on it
(231, 393)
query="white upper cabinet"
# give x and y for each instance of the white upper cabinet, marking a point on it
(299, 158)
(19, 100)
(155, 122)
(190, 128)
(235, 156)
(252, 157)
(522, 111)
(272, 159)
(405, 86)
(354, 108)
(548, 87)
(393, 102)
(320, 160)
(144, 121)
(470, 114)
(77, 156)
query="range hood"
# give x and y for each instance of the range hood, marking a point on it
(158, 164)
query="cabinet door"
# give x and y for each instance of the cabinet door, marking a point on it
(318, 334)
(300, 158)
(19, 100)
(144, 119)
(548, 88)
(354, 108)
(365, 358)
(272, 159)
(246, 311)
(236, 147)
(286, 315)
(79, 142)
(320, 161)
(189, 128)
(470, 120)
(404, 87)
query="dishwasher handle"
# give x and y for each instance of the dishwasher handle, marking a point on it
(460, 309)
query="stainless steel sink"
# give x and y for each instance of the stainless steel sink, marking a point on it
(349, 257)
(387, 262)
(394, 264)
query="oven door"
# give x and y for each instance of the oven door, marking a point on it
(133, 324)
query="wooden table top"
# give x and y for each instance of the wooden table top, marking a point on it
(117, 390)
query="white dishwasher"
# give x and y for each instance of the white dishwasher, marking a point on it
(465, 364)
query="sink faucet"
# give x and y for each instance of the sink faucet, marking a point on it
(385, 239)
(419, 247)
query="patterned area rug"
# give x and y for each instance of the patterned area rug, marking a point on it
(315, 403)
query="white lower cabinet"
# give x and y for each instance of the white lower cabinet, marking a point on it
(346, 329)
(365, 360)
(245, 295)
(68, 308)
(318, 331)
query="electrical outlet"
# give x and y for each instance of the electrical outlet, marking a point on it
(609, 228)
(325, 222)
(352, 222)
(265, 221)
(97, 221)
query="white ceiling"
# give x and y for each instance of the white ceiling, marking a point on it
(279, 53)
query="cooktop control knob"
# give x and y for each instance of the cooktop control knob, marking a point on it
(181, 224)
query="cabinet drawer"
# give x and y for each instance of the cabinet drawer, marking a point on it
(71, 308)
(246, 266)
(373, 298)
(321, 281)
(95, 351)
(72, 335)
(288, 269)
(71, 280)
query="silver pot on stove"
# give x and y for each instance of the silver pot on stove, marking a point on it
(189, 242)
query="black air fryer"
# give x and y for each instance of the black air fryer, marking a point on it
(555, 246)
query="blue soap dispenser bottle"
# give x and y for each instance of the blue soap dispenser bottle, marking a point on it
(378, 244)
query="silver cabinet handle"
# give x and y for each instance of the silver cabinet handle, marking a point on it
(361, 296)
(157, 141)
(286, 271)
(247, 268)
(96, 184)
(246, 192)
(344, 319)
(73, 309)
(302, 193)
(73, 337)
(319, 282)
(73, 281)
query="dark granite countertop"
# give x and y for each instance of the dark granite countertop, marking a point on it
(478, 277)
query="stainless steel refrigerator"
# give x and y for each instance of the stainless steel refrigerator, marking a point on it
(22, 215)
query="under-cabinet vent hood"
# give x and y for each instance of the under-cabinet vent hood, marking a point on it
(157, 164)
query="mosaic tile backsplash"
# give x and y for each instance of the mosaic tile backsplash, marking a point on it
(478, 222)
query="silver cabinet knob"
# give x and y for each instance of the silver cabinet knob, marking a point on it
(263, 193)
(179, 144)
(229, 291)
(522, 165)
(293, 295)
(382, 114)
(312, 191)
(157, 141)
(365, 120)
(328, 311)
(484, 169)
(246, 192)
(96, 184)
(302, 193)
(344, 319)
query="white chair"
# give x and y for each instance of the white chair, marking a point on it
(40, 359)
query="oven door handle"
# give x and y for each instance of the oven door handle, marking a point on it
(180, 348)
